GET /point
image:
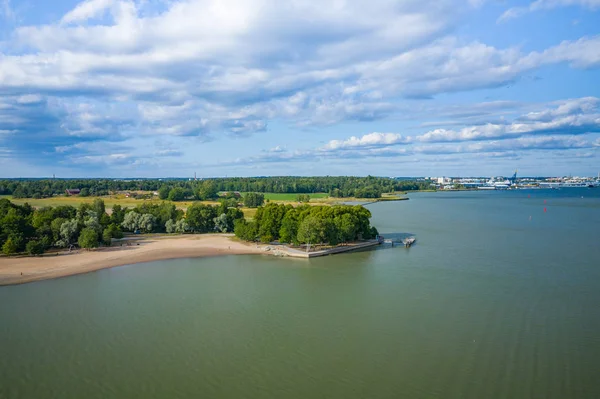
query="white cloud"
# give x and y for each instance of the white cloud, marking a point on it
(118, 69)
(87, 10)
(6, 10)
(367, 141)
(537, 5)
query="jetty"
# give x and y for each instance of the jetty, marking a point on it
(409, 241)
(284, 250)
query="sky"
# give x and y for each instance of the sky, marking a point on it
(169, 88)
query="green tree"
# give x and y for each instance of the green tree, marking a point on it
(85, 192)
(181, 226)
(310, 231)
(244, 230)
(221, 223)
(200, 217)
(254, 200)
(88, 238)
(207, 191)
(10, 246)
(107, 237)
(99, 207)
(55, 227)
(68, 232)
(147, 222)
(131, 221)
(34, 247)
(347, 225)
(289, 228)
(177, 194)
(170, 226)
(163, 192)
(118, 214)
(114, 231)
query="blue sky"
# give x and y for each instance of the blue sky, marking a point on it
(158, 88)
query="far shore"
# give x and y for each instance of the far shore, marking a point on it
(18, 270)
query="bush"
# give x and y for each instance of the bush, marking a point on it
(107, 237)
(34, 247)
(10, 246)
(88, 238)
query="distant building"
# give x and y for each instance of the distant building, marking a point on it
(72, 191)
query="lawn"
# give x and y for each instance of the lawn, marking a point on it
(290, 196)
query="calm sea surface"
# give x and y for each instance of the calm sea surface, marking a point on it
(498, 299)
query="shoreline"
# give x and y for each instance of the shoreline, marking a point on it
(28, 269)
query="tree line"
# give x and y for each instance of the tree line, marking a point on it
(307, 224)
(23, 228)
(179, 190)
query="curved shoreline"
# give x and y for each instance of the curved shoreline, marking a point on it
(29, 269)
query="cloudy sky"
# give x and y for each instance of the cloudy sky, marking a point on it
(159, 88)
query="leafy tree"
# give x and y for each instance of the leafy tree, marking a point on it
(68, 232)
(34, 247)
(177, 194)
(131, 221)
(254, 200)
(221, 223)
(91, 221)
(64, 211)
(10, 246)
(303, 198)
(200, 217)
(289, 228)
(55, 227)
(84, 192)
(181, 226)
(107, 237)
(88, 238)
(170, 226)
(118, 214)
(114, 231)
(347, 225)
(147, 222)
(163, 192)
(99, 207)
(310, 231)
(207, 191)
(247, 231)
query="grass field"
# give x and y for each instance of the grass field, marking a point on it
(109, 201)
(290, 196)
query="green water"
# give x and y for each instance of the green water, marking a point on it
(489, 303)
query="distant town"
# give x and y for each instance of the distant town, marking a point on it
(511, 183)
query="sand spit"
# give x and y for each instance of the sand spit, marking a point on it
(27, 269)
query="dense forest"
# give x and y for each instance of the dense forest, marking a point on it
(307, 224)
(23, 228)
(177, 190)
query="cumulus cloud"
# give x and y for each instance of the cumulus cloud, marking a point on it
(370, 140)
(118, 70)
(560, 126)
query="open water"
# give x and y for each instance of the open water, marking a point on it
(498, 299)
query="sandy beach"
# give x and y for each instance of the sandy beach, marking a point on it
(26, 269)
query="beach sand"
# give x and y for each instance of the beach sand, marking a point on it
(27, 269)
